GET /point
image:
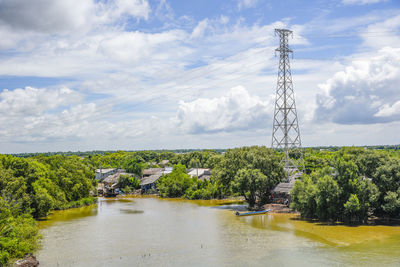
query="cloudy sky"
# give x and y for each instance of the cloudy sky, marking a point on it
(164, 74)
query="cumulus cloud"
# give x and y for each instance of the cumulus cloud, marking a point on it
(237, 110)
(389, 110)
(49, 16)
(33, 114)
(33, 101)
(62, 17)
(365, 92)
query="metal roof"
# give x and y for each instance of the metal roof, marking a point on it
(150, 179)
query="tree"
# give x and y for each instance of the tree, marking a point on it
(128, 183)
(303, 197)
(392, 203)
(267, 161)
(327, 199)
(176, 183)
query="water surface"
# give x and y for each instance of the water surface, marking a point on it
(157, 232)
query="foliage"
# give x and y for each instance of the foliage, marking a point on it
(18, 233)
(354, 184)
(32, 187)
(176, 183)
(204, 189)
(128, 183)
(236, 161)
(253, 185)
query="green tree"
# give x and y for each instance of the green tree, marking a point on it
(128, 183)
(176, 183)
(327, 198)
(253, 185)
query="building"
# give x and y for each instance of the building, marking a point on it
(110, 184)
(200, 173)
(103, 173)
(164, 162)
(281, 192)
(151, 176)
(151, 171)
(149, 182)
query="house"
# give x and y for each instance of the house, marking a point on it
(164, 162)
(149, 182)
(200, 173)
(151, 171)
(281, 192)
(103, 173)
(150, 177)
(110, 184)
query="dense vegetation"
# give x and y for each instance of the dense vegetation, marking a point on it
(32, 187)
(128, 183)
(351, 185)
(250, 172)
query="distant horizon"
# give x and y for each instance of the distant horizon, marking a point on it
(188, 149)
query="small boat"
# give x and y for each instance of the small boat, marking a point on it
(252, 212)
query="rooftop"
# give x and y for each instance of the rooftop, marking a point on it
(199, 172)
(113, 179)
(151, 171)
(104, 170)
(150, 179)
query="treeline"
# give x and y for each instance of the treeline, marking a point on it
(250, 172)
(350, 185)
(103, 152)
(32, 187)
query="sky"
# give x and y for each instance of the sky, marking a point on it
(82, 75)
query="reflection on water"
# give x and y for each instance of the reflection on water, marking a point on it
(155, 232)
(131, 211)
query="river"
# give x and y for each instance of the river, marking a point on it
(158, 232)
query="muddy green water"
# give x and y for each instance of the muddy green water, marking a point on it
(156, 232)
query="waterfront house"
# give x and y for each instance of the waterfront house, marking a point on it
(110, 183)
(149, 182)
(200, 173)
(150, 177)
(151, 171)
(103, 173)
(281, 192)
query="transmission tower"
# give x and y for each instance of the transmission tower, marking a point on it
(286, 132)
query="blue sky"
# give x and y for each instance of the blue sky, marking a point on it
(164, 74)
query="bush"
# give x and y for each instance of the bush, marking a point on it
(176, 183)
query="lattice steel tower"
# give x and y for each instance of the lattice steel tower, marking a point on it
(286, 132)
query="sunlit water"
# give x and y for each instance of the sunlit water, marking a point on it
(156, 232)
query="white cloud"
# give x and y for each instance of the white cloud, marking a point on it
(237, 110)
(135, 8)
(242, 4)
(361, 2)
(33, 101)
(382, 33)
(134, 46)
(364, 92)
(388, 111)
(68, 17)
(199, 30)
(49, 16)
